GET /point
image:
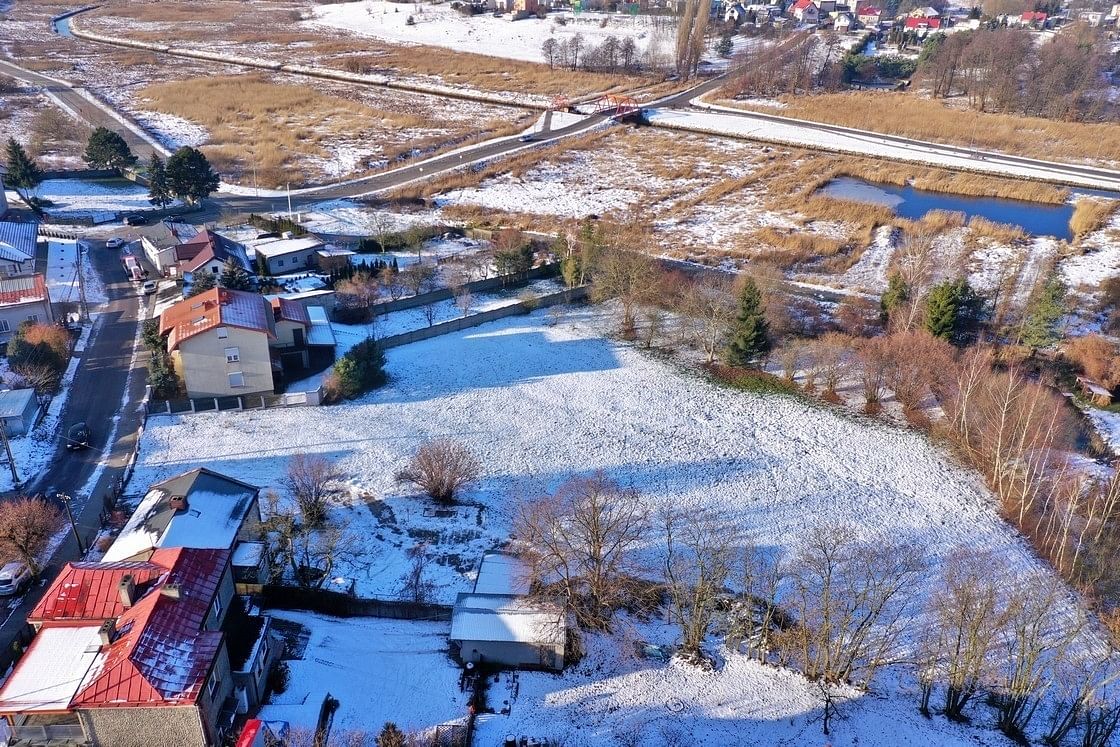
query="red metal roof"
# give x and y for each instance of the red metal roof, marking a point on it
(218, 307)
(89, 591)
(292, 311)
(917, 23)
(23, 290)
(161, 654)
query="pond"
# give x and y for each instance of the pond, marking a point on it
(1039, 219)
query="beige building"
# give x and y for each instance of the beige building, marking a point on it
(23, 300)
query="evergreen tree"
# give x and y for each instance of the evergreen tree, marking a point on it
(201, 282)
(24, 174)
(750, 335)
(725, 46)
(262, 266)
(391, 736)
(159, 191)
(190, 176)
(953, 310)
(1043, 315)
(234, 276)
(896, 295)
(108, 150)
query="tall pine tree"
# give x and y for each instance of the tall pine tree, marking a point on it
(159, 191)
(234, 276)
(189, 175)
(750, 335)
(24, 174)
(201, 282)
(896, 295)
(108, 150)
(1044, 313)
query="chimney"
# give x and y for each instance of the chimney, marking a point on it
(107, 630)
(126, 587)
(178, 503)
(171, 591)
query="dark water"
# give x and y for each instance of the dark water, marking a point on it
(1035, 218)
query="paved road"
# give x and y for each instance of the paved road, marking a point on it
(97, 397)
(72, 98)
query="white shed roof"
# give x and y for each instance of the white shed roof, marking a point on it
(281, 247)
(321, 332)
(501, 573)
(502, 618)
(52, 670)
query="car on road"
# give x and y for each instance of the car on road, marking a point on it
(527, 138)
(135, 220)
(115, 243)
(77, 437)
(149, 287)
(14, 579)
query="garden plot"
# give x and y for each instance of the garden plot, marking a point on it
(82, 198)
(540, 403)
(379, 670)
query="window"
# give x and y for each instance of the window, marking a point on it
(33, 318)
(214, 269)
(218, 607)
(237, 379)
(223, 333)
(212, 684)
(233, 355)
(4, 326)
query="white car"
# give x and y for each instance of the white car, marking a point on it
(115, 243)
(149, 287)
(14, 579)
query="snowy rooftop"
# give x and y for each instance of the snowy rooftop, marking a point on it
(215, 308)
(17, 240)
(499, 617)
(280, 247)
(52, 670)
(247, 554)
(13, 402)
(320, 332)
(500, 573)
(216, 508)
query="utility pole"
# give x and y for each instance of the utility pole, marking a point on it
(83, 309)
(289, 200)
(8, 451)
(73, 525)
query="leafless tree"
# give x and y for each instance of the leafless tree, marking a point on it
(710, 306)
(701, 548)
(580, 542)
(416, 587)
(873, 364)
(314, 482)
(464, 300)
(763, 575)
(915, 361)
(629, 276)
(429, 310)
(26, 526)
(832, 352)
(418, 278)
(393, 282)
(441, 468)
(308, 553)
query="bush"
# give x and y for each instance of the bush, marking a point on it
(441, 469)
(279, 677)
(357, 372)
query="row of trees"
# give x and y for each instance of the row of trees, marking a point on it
(611, 55)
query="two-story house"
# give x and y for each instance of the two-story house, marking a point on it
(23, 299)
(134, 653)
(17, 246)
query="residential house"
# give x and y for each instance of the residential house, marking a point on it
(332, 258)
(1033, 18)
(825, 7)
(926, 12)
(160, 244)
(207, 253)
(525, 6)
(19, 410)
(1094, 18)
(922, 25)
(498, 625)
(870, 16)
(200, 508)
(734, 13)
(285, 253)
(17, 248)
(135, 653)
(842, 22)
(23, 299)
(226, 343)
(805, 12)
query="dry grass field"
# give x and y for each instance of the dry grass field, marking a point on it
(912, 115)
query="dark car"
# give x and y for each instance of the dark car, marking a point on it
(135, 220)
(77, 437)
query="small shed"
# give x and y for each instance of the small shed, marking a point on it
(1094, 392)
(19, 409)
(496, 624)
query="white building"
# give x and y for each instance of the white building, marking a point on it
(285, 253)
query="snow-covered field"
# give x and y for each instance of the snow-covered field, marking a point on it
(441, 26)
(541, 403)
(379, 670)
(76, 198)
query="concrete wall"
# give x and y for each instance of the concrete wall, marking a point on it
(291, 262)
(144, 727)
(201, 363)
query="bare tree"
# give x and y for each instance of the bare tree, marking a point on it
(464, 300)
(314, 481)
(26, 526)
(631, 277)
(441, 469)
(580, 542)
(700, 552)
(415, 586)
(429, 310)
(418, 278)
(309, 554)
(750, 628)
(873, 365)
(832, 352)
(710, 306)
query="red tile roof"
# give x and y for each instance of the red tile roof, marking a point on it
(161, 654)
(89, 591)
(23, 290)
(291, 311)
(917, 23)
(219, 307)
(1034, 15)
(195, 245)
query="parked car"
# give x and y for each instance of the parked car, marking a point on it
(149, 287)
(14, 579)
(135, 220)
(115, 243)
(77, 437)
